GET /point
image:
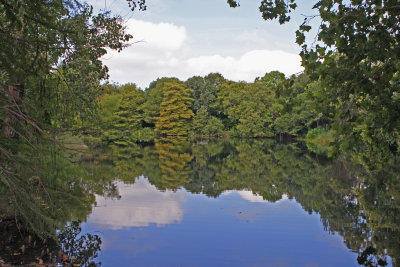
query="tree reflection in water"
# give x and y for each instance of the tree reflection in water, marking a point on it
(361, 205)
(39, 214)
(20, 247)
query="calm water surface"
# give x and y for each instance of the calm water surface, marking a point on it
(148, 227)
(173, 202)
(240, 203)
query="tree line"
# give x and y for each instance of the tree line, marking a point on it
(272, 105)
(51, 73)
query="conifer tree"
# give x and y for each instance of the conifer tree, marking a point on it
(153, 99)
(175, 112)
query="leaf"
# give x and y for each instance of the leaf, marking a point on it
(300, 37)
(233, 3)
(305, 28)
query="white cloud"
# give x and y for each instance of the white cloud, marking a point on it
(284, 198)
(140, 205)
(250, 196)
(247, 67)
(164, 50)
(160, 37)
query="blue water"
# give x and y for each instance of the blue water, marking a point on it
(148, 227)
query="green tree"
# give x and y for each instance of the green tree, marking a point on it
(196, 83)
(51, 53)
(275, 80)
(204, 124)
(120, 114)
(200, 120)
(130, 114)
(249, 108)
(175, 113)
(204, 90)
(296, 112)
(153, 99)
(108, 105)
(50, 71)
(356, 61)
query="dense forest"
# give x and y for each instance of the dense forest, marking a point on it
(52, 80)
(208, 106)
(55, 92)
(51, 76)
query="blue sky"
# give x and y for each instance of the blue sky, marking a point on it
(176, 38)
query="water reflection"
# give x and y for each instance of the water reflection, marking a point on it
(139, 204)
(19, 247)
(256, 200)
(247, 195)
(39, 214)
(361, 206)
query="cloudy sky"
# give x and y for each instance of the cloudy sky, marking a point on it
(176, 38)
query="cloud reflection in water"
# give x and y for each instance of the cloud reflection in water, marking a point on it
(140, 205)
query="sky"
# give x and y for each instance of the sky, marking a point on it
(185, 38)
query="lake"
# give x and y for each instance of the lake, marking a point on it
(237, 203)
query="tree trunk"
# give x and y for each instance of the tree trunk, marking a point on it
(15, 93)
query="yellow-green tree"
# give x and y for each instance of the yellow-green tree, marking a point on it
(174, 157)
(175, 113)
(153, 99)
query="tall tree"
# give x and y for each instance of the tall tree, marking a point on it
(249, 107)
(204, 90)
(130, 112)
(204, 96)
(153, 99)
(175, 112)
(296, 114)
(50, 70)
(51, 49)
